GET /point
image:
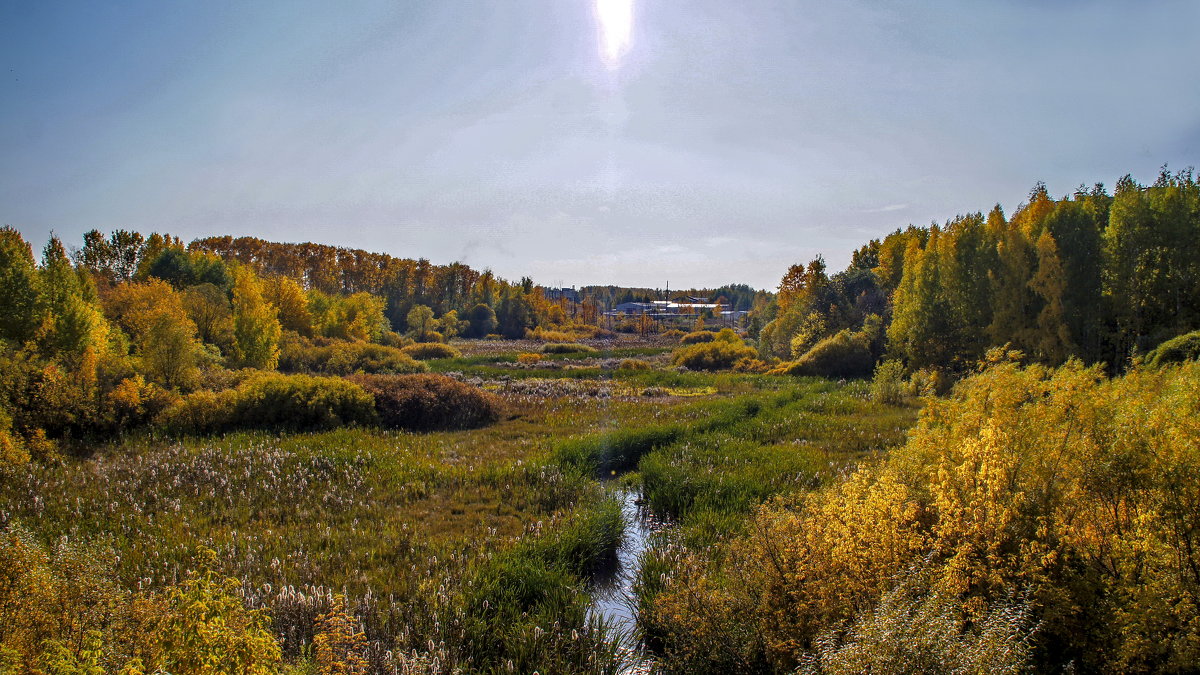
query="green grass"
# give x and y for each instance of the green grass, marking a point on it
(438, 524)
(764, 445)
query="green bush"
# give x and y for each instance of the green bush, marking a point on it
(1178, 349)
(429, 402)
(844, 354)
(696, 337)
(720, 354)
(567, 348)
(431, 350)
(339, 357)
(888, 383)
(274, 401)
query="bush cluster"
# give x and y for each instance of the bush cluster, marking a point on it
(844, 354)
(567, 348)
(338, 357)
(274, 401)
(977, 545)
(696, 337)
(725, 350)
(1185, 347)
(429, 402)
(63, 610)
(423, 351)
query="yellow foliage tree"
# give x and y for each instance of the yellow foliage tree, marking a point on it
(256, 329)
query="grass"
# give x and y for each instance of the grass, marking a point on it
(474, 547)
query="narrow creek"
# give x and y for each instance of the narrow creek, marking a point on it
(612, 590)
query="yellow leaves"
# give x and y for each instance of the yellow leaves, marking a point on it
(205, 629)
(1082, 492)
(340, 643)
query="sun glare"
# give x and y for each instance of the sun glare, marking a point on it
(616, 28)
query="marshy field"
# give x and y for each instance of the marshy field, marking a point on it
(481, 549)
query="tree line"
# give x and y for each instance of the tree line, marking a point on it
(1095, 276)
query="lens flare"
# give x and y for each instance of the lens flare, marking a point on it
(616, 29)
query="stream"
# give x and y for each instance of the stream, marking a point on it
(612, 590)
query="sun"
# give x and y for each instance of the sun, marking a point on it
(616, 29)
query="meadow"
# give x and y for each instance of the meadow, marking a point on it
(453, 550)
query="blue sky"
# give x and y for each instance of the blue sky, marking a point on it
(728, 141)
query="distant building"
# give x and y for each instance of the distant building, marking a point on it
(561, 294)
(662, 309)
(631, 308)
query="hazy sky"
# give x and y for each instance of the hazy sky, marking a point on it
(720, 142)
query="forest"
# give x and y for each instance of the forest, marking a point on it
(975, 449)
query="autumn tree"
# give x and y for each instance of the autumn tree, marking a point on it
(256, 329)
(921, 311)
(420, 322)
(449, 325)
(152, 313)
(1053, 342)
(208, 307)
(291, 301)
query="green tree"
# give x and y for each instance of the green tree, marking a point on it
(70, 323)
(450, 325)
(514, 316)
(482, 320)
(918, 323)
(1053, 344)
(256, 329)
(420, 322)
(18, 288)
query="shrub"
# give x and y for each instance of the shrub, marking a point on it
(888, 383)
(339, 643)
(844, 354)
(673, 333)
(914, 629)
(431, 337)
(1057, 486)
(344, 358)
(634, 364)
(12, 448)
(550, 335)
(1178, 349)
(391, 338)
(354, 357)
(529, 359)
(429, 402)
(292, 402)
(431, 350)
(751, 365)
(51, 595)
(720, 354)
(696, 337)
(567, 348)
(207, 629)
(928, 382)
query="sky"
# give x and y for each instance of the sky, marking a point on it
(631, 142)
